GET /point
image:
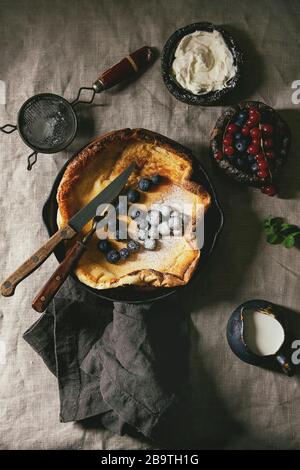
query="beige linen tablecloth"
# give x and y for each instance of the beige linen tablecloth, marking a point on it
(58, 46)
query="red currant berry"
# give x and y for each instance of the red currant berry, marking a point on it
(262, 173)
(263, 165)
(253, 149)
(270, 154)
(256, 142)
(255, 133)
(254, 118)
(250, 124)
(259, 157)
(245, 131)
(229, 150)
(267, 129)
(232, 128)
(218, 155)
(269, 190)
(228, 139)
(253, 112)
(268, 143)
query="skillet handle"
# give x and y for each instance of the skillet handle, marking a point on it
(46, 294)
(125, 69)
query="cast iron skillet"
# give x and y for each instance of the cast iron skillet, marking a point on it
(213, 224)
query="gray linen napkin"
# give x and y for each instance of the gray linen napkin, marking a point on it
(124, 363)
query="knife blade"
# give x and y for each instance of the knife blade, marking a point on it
(75, 224)
(79, 220)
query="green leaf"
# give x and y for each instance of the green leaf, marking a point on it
(274, 239)
(289, 228)
(276, 223)
(289, 242)
(278, 231)
(276, 220)
(267, 222)
(294, 234)
(269, 231)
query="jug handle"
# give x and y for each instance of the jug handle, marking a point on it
(285, 364)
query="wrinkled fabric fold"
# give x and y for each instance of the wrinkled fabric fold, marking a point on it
(112, 361)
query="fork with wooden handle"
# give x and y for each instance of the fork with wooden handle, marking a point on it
(46, 294)
(35, 260)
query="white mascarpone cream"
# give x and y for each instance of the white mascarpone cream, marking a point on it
(203, 62)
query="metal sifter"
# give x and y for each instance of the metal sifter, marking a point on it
(48, 123)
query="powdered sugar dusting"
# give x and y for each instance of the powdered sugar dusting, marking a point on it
(168, 248)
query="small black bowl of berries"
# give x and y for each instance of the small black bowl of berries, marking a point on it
(250, 143)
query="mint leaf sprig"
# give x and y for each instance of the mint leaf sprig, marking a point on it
(280, 232)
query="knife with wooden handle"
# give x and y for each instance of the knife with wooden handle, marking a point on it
(75, 224)
(8, 286)
(46, 294)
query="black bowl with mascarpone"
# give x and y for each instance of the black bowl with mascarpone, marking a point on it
(211, 90)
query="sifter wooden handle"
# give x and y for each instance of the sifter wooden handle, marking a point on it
(9, 285)
(129, 66)
(46, 294)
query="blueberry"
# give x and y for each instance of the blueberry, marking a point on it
(175, 223)
(242, 116)
(104, 246)
(142, 224)
(175, 213)
(165, 211)
(134, 212)
(164, 228)
(113, 256)
(153, 233)
(239, 123)
(154, 217)
(150, 244)
(155, 179)
(133, 246)
(254, 167)
(251, 158)
(232, 159)
(133, 195)
(238, 136)
(144, 184)
(124, 253)
(241, 146)
(142, 234)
